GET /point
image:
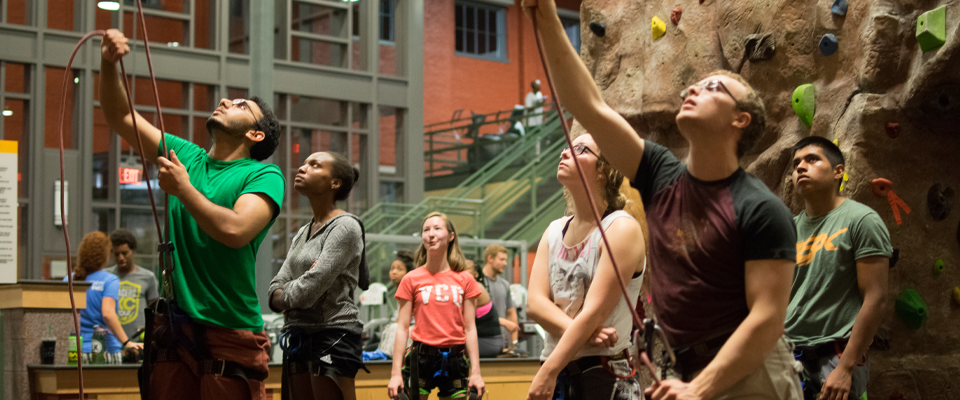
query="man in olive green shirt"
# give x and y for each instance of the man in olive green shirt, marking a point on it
(840, 281)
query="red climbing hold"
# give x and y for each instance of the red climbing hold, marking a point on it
(884, 188)
(676, 14)
(893, 130)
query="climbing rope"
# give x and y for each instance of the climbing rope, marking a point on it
(637, 322)
(153, 206)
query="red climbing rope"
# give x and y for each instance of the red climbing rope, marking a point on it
(63, 213)
(637, 322)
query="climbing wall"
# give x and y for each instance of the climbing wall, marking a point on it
(880, 77)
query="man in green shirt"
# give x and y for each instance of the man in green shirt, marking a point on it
(840, 281)
(211, 345)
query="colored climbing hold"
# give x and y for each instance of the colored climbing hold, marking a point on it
(911, 308)
(598, 29)
(804, 104)
(893, 130)
(844, 181)
(956, 294)
(884, 188)
(839, 7)
(939, 201)
(675, 15)
(931, 31)
(760, 47)
(658, 27)
(828, 44)
(938, 267)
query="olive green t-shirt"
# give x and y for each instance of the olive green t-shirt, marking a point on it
(825, 298)
(214, 283)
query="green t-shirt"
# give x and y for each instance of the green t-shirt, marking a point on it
(214, 283)
(825, 298)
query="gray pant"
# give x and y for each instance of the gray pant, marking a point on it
(858, 379)
(490, 346)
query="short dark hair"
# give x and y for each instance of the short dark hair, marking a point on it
(122, 237)
(406, 258)
(270, 126)
(830, 150)
(346, 173)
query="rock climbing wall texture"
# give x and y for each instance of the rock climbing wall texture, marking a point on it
(884, 77)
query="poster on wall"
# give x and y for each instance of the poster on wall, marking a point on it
(8, 211)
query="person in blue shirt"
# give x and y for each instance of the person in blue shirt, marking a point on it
(102, 297)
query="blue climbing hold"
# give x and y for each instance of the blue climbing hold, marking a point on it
(828, 44)
(839, 7)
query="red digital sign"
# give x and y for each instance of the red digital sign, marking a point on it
(130, 176)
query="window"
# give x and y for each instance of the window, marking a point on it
(480, 30)
(388, 20)
(572, 27)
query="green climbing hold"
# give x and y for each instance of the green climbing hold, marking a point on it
(931, 31)
(911, 308)
(938, 267)
(804, 104)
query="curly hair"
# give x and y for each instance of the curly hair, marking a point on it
(270, 127)
(455, 257)
(93, 254)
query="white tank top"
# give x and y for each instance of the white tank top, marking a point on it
(571, 272)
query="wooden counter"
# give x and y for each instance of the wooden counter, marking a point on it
(29, 311)
(506, 379)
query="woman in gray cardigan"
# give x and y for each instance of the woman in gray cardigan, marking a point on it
(314, 288)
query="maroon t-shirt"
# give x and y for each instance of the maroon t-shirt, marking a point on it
(701, 235)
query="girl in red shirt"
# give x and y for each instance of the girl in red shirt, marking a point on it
(442, 297)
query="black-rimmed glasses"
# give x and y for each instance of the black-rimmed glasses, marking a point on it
(579, 149)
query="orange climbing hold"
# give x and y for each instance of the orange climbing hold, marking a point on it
(884, 188)
(675, 15)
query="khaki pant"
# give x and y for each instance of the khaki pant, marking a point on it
(775, 379)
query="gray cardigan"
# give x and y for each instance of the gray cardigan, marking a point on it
(321, 274)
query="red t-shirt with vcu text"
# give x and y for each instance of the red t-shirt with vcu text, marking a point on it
(438, 304)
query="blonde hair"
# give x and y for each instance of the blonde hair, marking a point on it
(92, 255)
(493, 250)
(751, 104)
(458, 263)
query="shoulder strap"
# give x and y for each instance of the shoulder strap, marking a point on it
(363, 280)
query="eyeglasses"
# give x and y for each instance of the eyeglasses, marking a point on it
(579, 149)
(242, 103)
(712, 85)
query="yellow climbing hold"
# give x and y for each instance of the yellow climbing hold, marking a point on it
(956, 294)
(836, 142)
(658, 27)
(845, 178)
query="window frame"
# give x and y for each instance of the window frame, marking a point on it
(500, 34)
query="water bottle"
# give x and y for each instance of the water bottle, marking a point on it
(98, 346)
(72, 348)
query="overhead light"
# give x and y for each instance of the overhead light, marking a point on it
(7, 113)
(108, 5)
(173, 44)
(76, 80)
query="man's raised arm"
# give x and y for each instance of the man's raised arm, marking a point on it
(618, 142)
(113, 98)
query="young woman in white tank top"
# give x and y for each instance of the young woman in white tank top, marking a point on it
(574, 294)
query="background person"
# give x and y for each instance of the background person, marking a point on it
(574, 293)
(840, 283)
(314, 288)
(102, 298)
(495, 261)
(139, 288)
(442, 298)
(489, 339)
